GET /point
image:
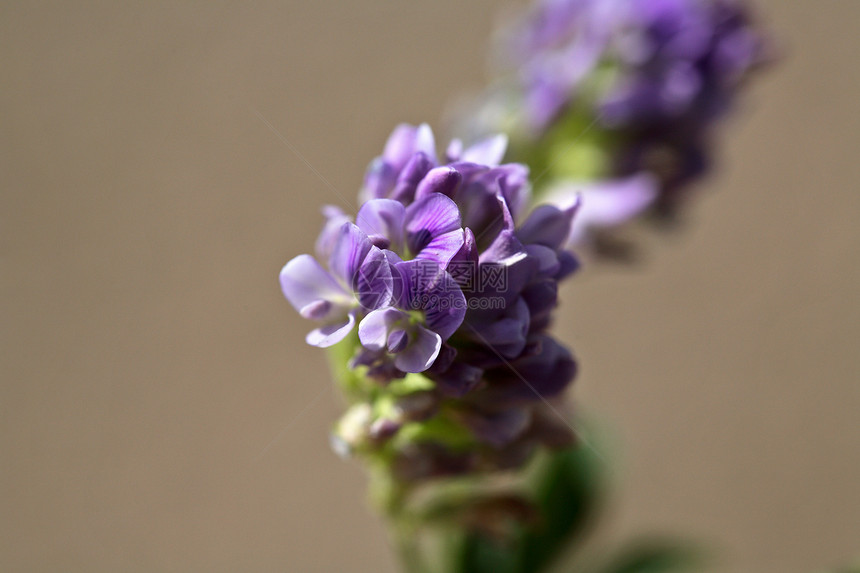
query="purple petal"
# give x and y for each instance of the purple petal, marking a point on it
(429, 218)
(479, 204)
(454, 151)
(400, 146)
(317, 310)
(397, 341)
(506, 333)
(349, 252)
(334, 220)
(446, 313)
(331, 334)
(442, 249)
(382, 221)
(547, 259)
(424, 141)
(543, 373)
(548, 225)
(428, 287)
(507, 258)
(514, 185)
(469, 250)
(442, 180)
(407, 182)
(506, 248)
(445, 359)
(568, 264)
(378, 180)
(374, 281)
(541, 298)
(548, 371)
(405, 141)
(305, 282)
(488, 151)
(421, 352)
(463, 266)
(458, 380)
(499, 428)
(607, 204)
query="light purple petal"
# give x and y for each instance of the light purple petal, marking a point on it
(421, 352)
(424, 141)
(454, 151)
(334, 220)
(378, 180)
(373, 330)
(397, 340)
(405, 141)
(508, 256)
(317, 310)
(331, 334)
(304, 281)
(606, 204)
(383, 219)
(488, 151)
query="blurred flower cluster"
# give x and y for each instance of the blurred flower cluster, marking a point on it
(618, 99)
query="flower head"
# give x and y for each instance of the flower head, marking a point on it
(447, 275)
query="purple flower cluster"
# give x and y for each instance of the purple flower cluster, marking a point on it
(657, 72)
(671, 58)
(442, 273)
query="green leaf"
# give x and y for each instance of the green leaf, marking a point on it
(568, 492)
(565, 488)
(655, 557)
(484, 555)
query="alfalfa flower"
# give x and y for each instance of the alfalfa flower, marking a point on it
(597, 94)
(448, 276)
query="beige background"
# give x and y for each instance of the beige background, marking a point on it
(159, 410)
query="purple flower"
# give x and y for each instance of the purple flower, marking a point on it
(389, 329)
(358, 276)
(430, 228)
(395, 333)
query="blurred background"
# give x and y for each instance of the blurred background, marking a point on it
(159, 410)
